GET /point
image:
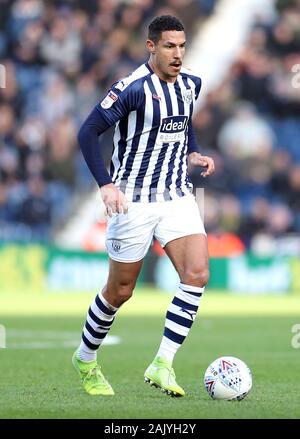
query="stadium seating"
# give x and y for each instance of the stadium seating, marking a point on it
(60, 58)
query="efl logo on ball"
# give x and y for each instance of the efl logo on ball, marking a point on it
(228, 378)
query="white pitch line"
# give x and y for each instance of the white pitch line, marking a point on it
(25, 333)
(49, 339)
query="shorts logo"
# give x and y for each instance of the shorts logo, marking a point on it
(173, 128)
(188, 96)
(116, 246)
(110, 98)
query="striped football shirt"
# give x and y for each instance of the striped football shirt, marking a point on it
(151, 118)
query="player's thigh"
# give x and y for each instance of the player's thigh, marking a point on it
(121, 281)
(123, 274)
(189, 255)
(179, 217)
(181, 232)
(129, 236)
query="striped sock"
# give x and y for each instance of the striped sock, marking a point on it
(99, 319)
(179, 319)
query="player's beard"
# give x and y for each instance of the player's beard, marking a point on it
(175, 68)
(171, 71)
(168, 70)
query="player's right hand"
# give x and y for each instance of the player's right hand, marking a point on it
(113, 199)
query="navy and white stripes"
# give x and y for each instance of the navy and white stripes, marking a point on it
(151, 134)
(179, 319)
(99, 319)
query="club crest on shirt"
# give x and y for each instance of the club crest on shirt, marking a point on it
(188, 96)
(109, 99)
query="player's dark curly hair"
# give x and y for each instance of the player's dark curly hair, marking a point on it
(161, 24)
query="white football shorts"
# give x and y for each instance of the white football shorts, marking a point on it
(130, 235)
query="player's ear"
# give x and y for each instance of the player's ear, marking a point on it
(150, 46)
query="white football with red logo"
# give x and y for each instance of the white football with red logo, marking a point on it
(228, 378)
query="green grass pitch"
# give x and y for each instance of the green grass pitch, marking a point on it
(37, 379)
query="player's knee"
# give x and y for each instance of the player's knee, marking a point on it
(124, 292)
(119, 291)
(198, 277)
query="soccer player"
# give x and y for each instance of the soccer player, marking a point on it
(148, 194)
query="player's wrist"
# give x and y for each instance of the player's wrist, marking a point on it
(108, 186)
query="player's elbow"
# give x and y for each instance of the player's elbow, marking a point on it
(91, 129)
(83, 135)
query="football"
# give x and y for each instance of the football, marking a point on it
(228, 378)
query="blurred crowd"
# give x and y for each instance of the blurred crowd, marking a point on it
(60, 57)
(251, 126)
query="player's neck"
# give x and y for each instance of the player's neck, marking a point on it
(160, 74)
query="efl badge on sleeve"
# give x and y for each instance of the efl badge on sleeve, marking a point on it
(109, 99)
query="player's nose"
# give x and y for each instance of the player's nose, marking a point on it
(178, 54)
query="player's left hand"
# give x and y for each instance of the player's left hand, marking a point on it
(197, 159)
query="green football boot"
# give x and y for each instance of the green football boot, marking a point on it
(161, 374)
(93, 380)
